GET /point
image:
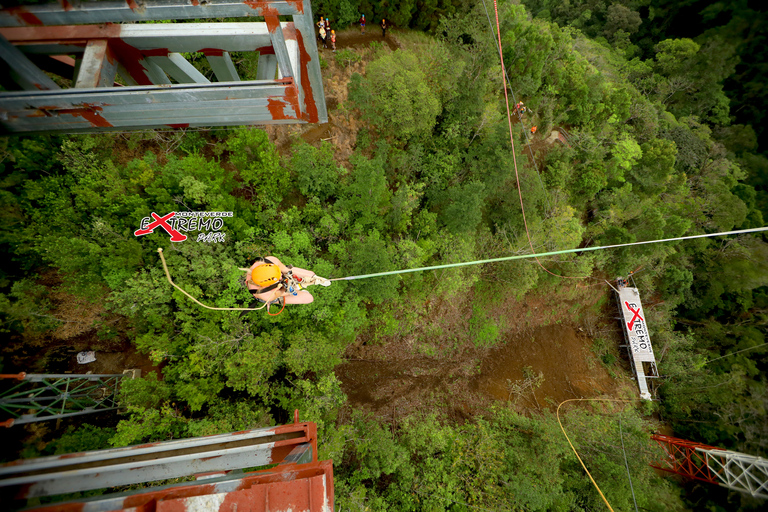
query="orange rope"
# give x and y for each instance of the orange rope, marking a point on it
(514, 157)
(574, 448)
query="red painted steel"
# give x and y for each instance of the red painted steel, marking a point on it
(683, 458)
(302, 487)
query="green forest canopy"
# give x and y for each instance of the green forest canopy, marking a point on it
(657, 150)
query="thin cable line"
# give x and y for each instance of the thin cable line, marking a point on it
(519, 115)
(626, 464)
(553, 253)
(737, 352)
(514, 157)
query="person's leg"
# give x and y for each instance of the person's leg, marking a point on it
(303, 297)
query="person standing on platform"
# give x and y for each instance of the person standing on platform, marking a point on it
(383, 28)
(323, 35)
(362, 24)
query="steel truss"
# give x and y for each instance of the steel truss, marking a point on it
(299, 482)
(40, 397)
(163, 88)
(734, 470)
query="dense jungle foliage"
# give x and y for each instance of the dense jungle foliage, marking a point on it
(666, 140)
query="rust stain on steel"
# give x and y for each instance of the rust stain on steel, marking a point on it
(203, 459)
(180, 125)
(310, 108)
(212, 52)
(263, 6)
(87, 111)
(195, 2)
(265, 50)
(148, 445)
(132, 4)
(297, 4)
(72, 455)
(76, 35)
(23, 15)
(131, 58)
(156, 52)
(273, 22)
(276, 107)
(66, 5)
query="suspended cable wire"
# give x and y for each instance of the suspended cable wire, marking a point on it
(626, 464)
(553, 253)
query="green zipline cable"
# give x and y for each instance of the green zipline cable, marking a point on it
(553, 253)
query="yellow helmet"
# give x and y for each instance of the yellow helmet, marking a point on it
(265, 275)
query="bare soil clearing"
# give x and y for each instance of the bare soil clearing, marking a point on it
(543, 356)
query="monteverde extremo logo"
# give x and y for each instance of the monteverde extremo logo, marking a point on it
(175, 223)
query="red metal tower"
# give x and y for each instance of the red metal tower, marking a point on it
(734, 470)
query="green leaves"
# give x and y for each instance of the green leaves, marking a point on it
(395, 95)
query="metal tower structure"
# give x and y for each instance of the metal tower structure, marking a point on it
(298, 482)
(40, 397)
(90, 43)
(734, 470)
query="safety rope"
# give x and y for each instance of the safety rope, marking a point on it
(519, 115)
(512, 142)
(557, 414)
(552, 253)
(168, 275)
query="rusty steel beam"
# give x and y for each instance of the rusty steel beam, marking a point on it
(66, 12)
(22, 70)
(311, 81)
(159, 39)
(187, 105)
(145, 55)
(99, 66)
(47, 476)
(297, 487)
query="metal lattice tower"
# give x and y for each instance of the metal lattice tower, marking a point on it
(40, 397)
(91, 42)
(734, 470)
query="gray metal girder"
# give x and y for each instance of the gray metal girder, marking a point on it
(180, 69)
(278, 43)
(312, 80)
(98, 11)
(214, 104)
(163, 37)
(22, 70)
(47, 476)
(267, 69)
(223, 67)
(98, 67)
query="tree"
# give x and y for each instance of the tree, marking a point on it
(395, 96)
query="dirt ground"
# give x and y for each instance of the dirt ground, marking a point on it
(543, 356)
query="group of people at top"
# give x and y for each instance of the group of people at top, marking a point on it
(325, 32)
(383, 26)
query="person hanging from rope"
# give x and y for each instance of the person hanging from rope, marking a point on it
(272, 282)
